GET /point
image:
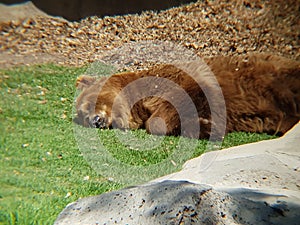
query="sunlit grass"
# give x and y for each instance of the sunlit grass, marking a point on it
(41, 167)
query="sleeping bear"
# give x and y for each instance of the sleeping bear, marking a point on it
(258, 93)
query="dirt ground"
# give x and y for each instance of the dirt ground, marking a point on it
(29, 36)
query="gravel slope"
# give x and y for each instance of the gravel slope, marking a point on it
(207, 27)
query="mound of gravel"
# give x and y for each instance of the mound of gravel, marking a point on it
(206, 27)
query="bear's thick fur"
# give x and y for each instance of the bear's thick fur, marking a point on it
(261, 93)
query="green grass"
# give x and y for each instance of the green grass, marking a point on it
(41, 166)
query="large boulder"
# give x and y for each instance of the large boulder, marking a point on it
(180, 202)
(256, 183)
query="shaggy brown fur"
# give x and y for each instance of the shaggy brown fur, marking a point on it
(261, 92)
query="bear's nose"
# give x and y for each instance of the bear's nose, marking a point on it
(99, 122)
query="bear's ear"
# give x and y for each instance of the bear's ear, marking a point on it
(84, 81)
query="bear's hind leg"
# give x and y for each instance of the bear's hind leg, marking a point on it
(264, 122)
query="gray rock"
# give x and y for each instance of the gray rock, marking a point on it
(251, 184)
(180, 202)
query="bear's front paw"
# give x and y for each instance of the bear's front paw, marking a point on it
(156, 126)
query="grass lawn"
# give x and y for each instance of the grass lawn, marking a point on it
(41, 166)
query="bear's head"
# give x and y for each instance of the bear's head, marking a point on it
(93, 105)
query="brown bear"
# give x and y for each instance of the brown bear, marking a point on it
(261, 93)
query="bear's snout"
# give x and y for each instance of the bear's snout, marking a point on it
(99, 122)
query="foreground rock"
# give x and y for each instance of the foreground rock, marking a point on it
(180, 202)
(252, 184)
